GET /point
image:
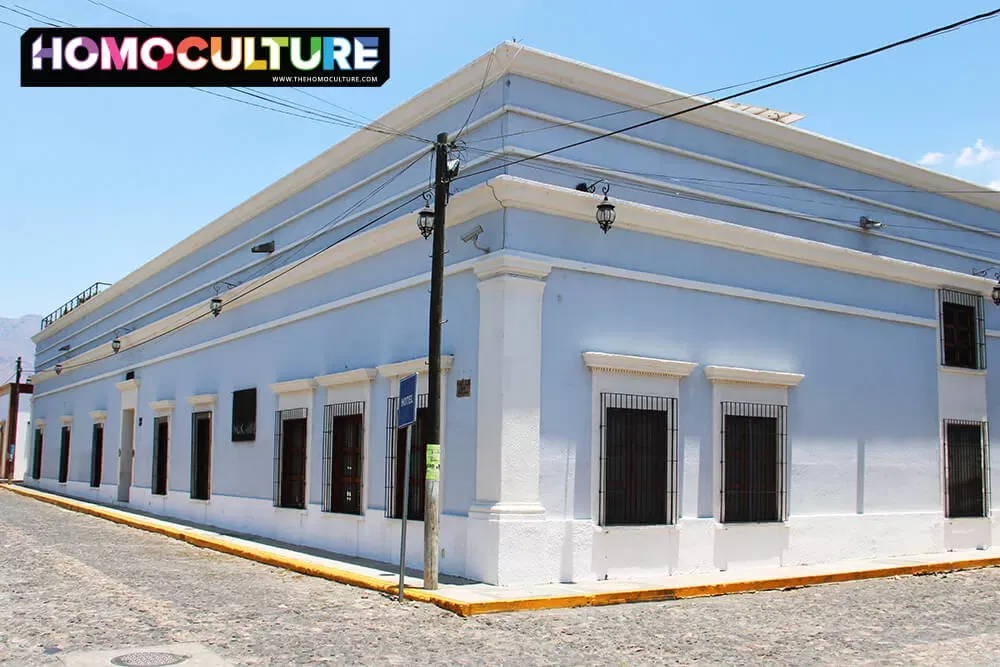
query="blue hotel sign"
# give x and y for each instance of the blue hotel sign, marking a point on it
(407, 411)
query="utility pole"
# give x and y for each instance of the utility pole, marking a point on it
(12, 410)
(431, 487)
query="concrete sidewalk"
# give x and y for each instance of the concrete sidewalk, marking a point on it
(470, 598)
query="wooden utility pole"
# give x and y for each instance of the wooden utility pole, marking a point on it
(432, 508)
(12, 410)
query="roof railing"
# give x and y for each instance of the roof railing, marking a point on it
(75, 302)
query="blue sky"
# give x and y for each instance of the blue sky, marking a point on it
(95, 182)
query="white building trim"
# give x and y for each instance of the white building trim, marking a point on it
(749, 376)
(642, 376)
(516, 59)
(98, 416)
(127, 385)
(349, 387)
(66, 420)
(203, 401)
(568, 264)
(510, 192)
(419, 366)
(623, 363)
(292, 386)
(161, 408)
(763, 173)
(539, 197)
(645, 183)
(346, 378)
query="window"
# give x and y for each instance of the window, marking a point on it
(245, 415)
(161, 434)
(64, 455)
(201, 455)
(96, 454)
(966, 472)
(753, 462)
(638, 459)
(36, 458)
(395, 468)
(290, 437)
(963, 330)
(343, 456)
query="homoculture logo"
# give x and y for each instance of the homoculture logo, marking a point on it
(262, 57)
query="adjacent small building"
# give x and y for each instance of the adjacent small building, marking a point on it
(776, 354)
(15, 430)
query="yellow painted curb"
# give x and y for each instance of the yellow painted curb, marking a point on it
(225, 545)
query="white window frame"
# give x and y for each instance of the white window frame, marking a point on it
(163, 408)
(296, 395)
(747, 386)
(395, 373)
(349, 387)
(628, 374)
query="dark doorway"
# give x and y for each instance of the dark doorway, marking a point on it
(36, 458)
(96, 454)
(161, 433)
(64, 455)
(201, 455)
(291, 463)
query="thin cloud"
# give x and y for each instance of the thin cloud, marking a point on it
(931, 159)
(977, 154)
(995, 185)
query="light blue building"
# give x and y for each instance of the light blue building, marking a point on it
(776, 355)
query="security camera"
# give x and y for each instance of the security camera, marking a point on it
(473, 234)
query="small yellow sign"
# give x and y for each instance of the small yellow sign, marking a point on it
(433, 462)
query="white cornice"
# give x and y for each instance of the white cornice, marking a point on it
(628, 91)
(161, 406)
(404, 368)
(519, 193)
(750, 376)
(502, 264)
(623, 363)
(127, 385)
(356, 376)
(66, 420)
(405, 117)
(516, 59)
(98, 415)
(291, 386)
(40, 423)
(202, 399)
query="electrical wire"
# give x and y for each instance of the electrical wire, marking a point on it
(118, 11)
(43, 16)
(292, 266)
(15, 27)
(813, 70)
(26, 15)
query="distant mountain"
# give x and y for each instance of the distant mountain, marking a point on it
(15, 340)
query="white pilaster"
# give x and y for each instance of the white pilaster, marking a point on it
(509, 393)
(508, 414)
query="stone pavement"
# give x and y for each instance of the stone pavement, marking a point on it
(73, 583)
(467, 598)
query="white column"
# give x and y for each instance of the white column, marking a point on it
(509, 393)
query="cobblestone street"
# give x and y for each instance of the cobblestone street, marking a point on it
(72, 582)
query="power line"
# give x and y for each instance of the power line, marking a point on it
(291, 267)
(118, 11)
(26, 15)
(15, 27)
(44, 16)
(813, 70)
